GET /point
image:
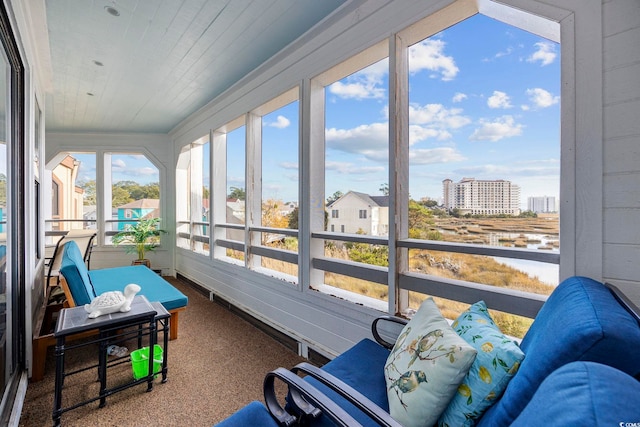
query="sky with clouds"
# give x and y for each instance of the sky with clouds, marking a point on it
(124, 167)
(486, 107)
(483, 102)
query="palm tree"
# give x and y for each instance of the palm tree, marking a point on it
(140, 237)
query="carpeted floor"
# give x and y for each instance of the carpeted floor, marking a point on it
(216, 366)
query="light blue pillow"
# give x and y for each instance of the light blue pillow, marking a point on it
(498, 360)
(75, 273)
(425, 368)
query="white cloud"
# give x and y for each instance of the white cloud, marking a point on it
(535, 168)
(289, 165)
(370, 140)
(502, 127)
(459, 96)
(508, 51)
(542, 98)
(429, 55)
(545, 53)
(437, 116)
(118, 164)
(356, 90)
(147, 171)
(365, 84)
(280, 123)
(419, 133)
(431, 121)
(499, 100)
(351, 169)
(428, 156)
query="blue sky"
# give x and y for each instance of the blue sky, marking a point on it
(480, 106)
(484, 106)
(484, 102)
(124, 167)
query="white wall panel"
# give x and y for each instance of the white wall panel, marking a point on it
(622, 119)
(620, 15)
(621, 226)
(622, 191)
(616, 83)
(621, 262)
(622, 155)
(621, 48)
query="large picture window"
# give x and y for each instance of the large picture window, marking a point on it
(484, 152)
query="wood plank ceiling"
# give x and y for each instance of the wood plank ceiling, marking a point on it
(145, 65)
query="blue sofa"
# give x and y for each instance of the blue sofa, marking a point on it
(579, 393)
(582, 321)
(81, 286)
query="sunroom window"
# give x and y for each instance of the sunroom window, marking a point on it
(274, 230)
(131, 191)
(73, 197)
(192, 196)
(484, 159)
(474, 152)
(229, 194)
(356, 157)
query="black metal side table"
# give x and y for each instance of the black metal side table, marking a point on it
(142, 320)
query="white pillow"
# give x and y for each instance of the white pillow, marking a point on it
(425, 367)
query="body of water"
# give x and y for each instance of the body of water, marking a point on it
(546, 273)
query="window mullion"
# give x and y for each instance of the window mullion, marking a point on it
(253, 189)
(398, 170)
(219, 191)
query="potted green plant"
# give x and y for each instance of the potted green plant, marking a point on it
(139, 238)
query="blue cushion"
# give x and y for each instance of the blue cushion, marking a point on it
(361, 367)
(254, 414)
(154, 287)
(581, 321)
(495, 365)
(583, 394)
(75, 273)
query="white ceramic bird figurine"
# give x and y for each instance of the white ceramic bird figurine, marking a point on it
(112, 301)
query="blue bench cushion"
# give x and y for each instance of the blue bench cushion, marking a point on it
(361, 367)
(75, 272)
(254, 414)
(581, 321)
(154, 287)
(583, 394)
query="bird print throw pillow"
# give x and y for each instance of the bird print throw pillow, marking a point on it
(498, 360)
(425, 367)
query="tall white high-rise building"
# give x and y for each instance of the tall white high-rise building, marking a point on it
(482, 197)
(543, 204)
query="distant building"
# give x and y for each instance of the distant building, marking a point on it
(67, 197)
(138, 209)
(359, 212)
(544, 204)
(288, 207)
(482, 197)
